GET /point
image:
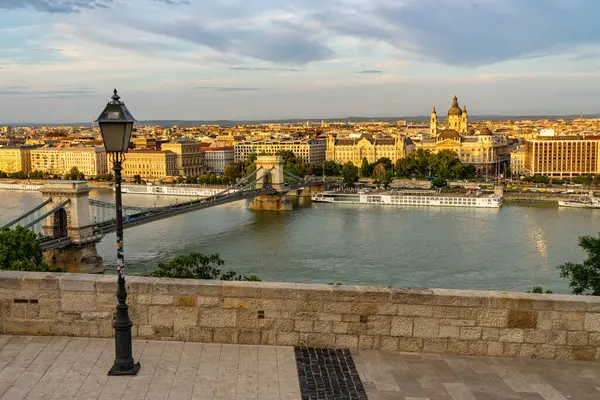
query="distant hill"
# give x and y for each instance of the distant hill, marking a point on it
(412, 119)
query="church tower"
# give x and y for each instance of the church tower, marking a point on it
(457, 119)
(464, 121)
(433, 123)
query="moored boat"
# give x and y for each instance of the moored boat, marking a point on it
(581, 201)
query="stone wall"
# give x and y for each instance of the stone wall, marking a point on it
(425, 320)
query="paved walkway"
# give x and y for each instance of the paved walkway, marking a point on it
(64, 368)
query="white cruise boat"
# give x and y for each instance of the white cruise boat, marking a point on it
(20, 186)
(422, 198)
(174, 190)
(582, 201)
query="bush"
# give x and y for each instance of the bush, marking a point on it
(199, 266)
(21, 250)
(539, 289)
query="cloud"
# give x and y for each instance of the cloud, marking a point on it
(56, 6)
(266, 69)
(19, 91)
(228, 89)
(174, 2)
(369, 71)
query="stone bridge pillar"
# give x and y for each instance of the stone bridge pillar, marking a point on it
(72, 220)
(271, 202)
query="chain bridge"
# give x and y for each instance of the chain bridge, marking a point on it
(69, 223)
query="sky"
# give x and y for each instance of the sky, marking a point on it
(278, 59)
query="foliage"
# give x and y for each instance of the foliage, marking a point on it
(331, 169)
(556, 181)
(199, 266)
(445, 163)
(349, 174)
(208, 179)
(539, 289)
(587, 180)
(21, 250)
(584, 278)
(105, 177)
(74, 175)
(234, 171)
(439, 182)
(27, 175)
(378, 174)
(538, 179)
(365, 169)
(137, 179)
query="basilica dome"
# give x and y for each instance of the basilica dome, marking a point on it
(455, 109)
(448, 134)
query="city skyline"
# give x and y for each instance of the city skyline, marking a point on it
(266, 60)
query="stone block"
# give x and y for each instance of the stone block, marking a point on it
(447, 312)
(378, 325)
(268, 338)
(573, 304)
(547, 351)
(78, 301)
(249, 337)
(563, 353)
(584, 353)
(217, 318)
(246, 319)
(470, 333)
(545, 324)
(339, 327)
(406, 310)
(350, 318)
(571, 316)
(18, 310)
(426, 328)
(410, 344)
(303, 326)
(265, 324)
(140, 298)
(181, 333)
(529, 351)
(176, 287)
(78, 282)
(567, 325)
(108, 284)
(321, 340)
(242, 289)
(160, 316)
(363, 308)
(457, 322)
(17, 327)
(96, 315)
(185, 316)
(208, 301)
(284, 325)
(287, 338)
(389, 343)
(203, 335)
(145, 331)
(346, 341)
(492, 317)
(507, 301)
(231, 302)
(401, 326)
(495, 349)
(210, 288)
(522, 319)
(311, 305)
(274, 304)
(536, 336)
(387, 309)
(458, 347)
(477, 349)
(435, 345)
(368, 342)
(357, 328)
(577, 338)
(5, 308)
(305, 315)
(490, 334)
(225, 335)
(314, 291)
(186, 301)
(329, 317)
(512, 335)
(162, 299)
(592, 322)
(594, 339)
(322, 326)
(140, 284)
(557, 337)
(376, 294)
(75, 328)
(447, 331)
(278, 290)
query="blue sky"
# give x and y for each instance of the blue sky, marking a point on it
(263, 59)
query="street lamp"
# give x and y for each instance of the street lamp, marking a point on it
(116, 124)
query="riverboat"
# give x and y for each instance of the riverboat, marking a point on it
(422, 198)
(582, 201)
(174, 190)
(20, 186)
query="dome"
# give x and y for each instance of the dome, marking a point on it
(448, 134)
(455, 109)
(485, 132)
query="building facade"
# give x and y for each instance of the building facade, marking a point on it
(91, 161)
(190, 157)
(366, 146)
(517, 162)
(15, 159)
(308, 151)
(217, 158)
(562, 156)
(150, 164)
(456, 119)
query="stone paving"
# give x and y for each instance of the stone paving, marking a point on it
(66, 368)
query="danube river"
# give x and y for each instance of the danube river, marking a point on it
(512, 248)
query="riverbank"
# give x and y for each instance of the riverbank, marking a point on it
(523, 197)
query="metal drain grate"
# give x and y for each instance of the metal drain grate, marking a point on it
(328, 374)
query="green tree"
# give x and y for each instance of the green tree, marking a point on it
(74, 174)
(378, 174)
(365, 169)
(137, 179)
(21, 250)
(233, 171)
(439, 182)
(199, 266)
(349, 174)
(584, 278)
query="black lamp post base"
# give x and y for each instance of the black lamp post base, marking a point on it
(118, 370)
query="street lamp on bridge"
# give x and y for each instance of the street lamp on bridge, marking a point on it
(116, 124)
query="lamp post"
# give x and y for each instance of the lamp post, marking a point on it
(116, 124)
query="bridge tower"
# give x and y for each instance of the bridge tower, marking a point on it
(72, 220)
(276, 201)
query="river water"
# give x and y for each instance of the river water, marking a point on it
(511, 248)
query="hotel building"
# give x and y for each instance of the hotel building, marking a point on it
(91, 161)
(15, 159)
(190, 157)
(217, 158)
(562, 156)
(308, 151)
(150, 164)
(355, 149)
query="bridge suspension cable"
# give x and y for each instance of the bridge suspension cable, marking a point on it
(26, 215)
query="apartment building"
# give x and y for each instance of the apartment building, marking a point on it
(15, 159)
(217, 158)
(190, 157)
(308, 150)
(562, 156)
(517, 161)
(150, 164)
(142, 142)
(91, 161)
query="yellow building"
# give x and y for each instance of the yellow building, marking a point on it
(308, 151)
(562, 156)
(91, 161)
(190, 157)
(456, 119)
(15, 159)
(372, 148)
(150, 164)
(517, 161)
(142, 142)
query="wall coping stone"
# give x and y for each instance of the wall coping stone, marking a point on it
(87, 282)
